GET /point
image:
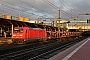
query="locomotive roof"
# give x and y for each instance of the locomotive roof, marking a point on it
(37, 28)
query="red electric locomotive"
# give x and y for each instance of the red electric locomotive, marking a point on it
(26, 34)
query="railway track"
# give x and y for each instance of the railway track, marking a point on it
(16, 47)
(39, 52)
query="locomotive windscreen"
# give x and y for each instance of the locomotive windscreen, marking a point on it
(18, 30)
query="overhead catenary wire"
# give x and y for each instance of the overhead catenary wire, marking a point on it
(51, 4)
(8, 11)
(19, 9)
(57, 8)
(29, 13)
(66, 13)
(70, 8)
(36, 7)
(14, 8)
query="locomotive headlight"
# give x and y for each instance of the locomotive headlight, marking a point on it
(20, 35)
(14, 35)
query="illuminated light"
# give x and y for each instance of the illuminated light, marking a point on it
(14, 35)
(20, 35)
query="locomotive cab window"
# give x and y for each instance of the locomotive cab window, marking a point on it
(18, 30)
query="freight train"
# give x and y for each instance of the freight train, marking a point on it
(27, 34)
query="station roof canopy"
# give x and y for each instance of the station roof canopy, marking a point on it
(9, 23)
(15, 23)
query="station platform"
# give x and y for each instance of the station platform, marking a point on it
(4, 40)
(80, 51)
